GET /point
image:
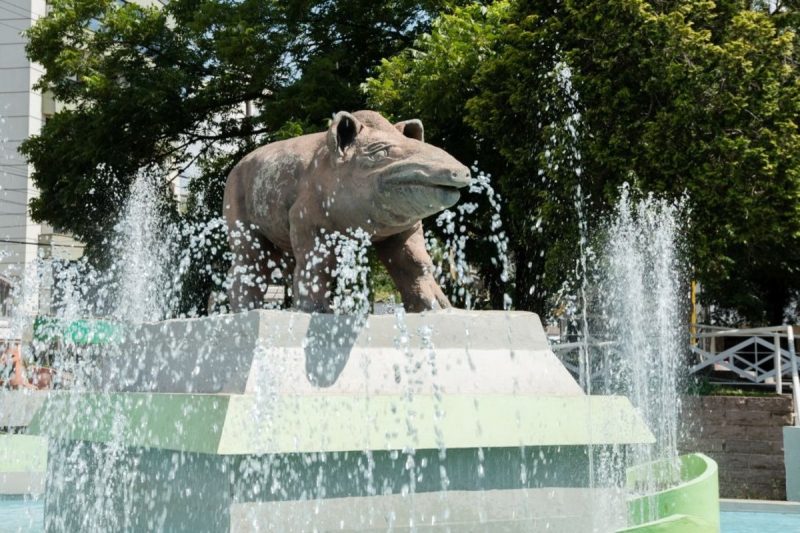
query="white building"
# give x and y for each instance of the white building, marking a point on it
(22, 113)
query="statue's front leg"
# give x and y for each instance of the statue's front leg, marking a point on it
(411, 268)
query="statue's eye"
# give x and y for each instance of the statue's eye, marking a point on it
(377, 155)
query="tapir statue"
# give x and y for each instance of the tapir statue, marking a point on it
(363, 173)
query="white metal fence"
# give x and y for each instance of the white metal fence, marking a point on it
(600, 355)
(762, 356)
(759, 355)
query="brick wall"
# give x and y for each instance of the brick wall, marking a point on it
(744, 436)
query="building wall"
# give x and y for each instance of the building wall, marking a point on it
(22, 114)
(744, 435)
(20, 117)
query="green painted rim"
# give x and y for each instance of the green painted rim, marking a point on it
(677, 523)
(242, 425)
(691, 506)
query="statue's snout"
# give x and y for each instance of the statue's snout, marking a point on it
(461, 177)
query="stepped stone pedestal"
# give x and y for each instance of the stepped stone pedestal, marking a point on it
(283, 421)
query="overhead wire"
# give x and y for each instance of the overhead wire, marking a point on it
(12, 202)
(12, 241)
(19, 226)
(14, 174)
(15, 9)
(3, 23)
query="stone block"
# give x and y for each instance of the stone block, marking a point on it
(722, 403)
(445, 352)
(289, 407)
(781, 420)
(723, 431)
(163, 490)
(773, 404)
(771, 461)
(774, 447)
(742, 489)
(556, 511)
(706, 404)
(746, 417)
(751, 477)
(751, 461)
(730, 462)
(708, 445)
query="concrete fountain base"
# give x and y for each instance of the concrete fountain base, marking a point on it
(356, 491)
(282, 421)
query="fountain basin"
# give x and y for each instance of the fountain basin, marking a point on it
(691, 506)
(288, 422)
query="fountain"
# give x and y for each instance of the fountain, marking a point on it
(279, 420)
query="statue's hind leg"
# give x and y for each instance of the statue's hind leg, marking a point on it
(411, 268)
(256, 264)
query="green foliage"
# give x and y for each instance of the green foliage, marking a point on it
(695, 97)
(712, 113)
(164, 90)
(335, 45)
(381, 285)
(678, 96)
(141, 86)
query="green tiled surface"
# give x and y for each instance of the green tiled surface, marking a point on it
(240, 425)
(22, 453)
(189, 422)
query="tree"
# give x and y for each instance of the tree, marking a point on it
(679, 97)
(166, 89)
(712, 111)
(140, 87)
(487, 82)
(334, 46)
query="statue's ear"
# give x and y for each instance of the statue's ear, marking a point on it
(412, 129)
(343, 132)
